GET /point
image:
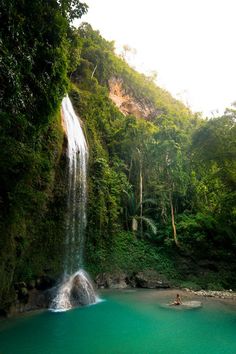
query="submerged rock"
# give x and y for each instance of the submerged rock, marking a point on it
(186, 305)
(192, 304)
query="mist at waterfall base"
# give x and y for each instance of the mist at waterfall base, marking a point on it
(128, 322)
(76, 287)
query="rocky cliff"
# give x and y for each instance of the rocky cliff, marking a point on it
(127, 103)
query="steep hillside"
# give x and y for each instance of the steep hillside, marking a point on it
(147, 184)
(161, 180)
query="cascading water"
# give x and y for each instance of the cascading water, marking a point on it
(76, 288)
(77, 153)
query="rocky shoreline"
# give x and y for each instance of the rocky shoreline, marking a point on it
(224, 294)
(149, 279)
(31, 297)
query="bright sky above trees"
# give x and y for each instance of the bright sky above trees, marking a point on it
(190, 43)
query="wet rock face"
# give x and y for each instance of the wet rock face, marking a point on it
(75, 290)
(32, 295)
(29, 300)
(82, 292)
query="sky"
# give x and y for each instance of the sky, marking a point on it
(191, 44)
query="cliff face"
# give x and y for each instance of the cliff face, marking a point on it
(127, 104)
(32, 232)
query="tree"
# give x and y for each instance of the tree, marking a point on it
(136, 219)
(128, 52)
(170, 173)
(214, 155)
(72, 9)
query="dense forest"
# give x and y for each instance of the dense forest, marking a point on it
(161, 178)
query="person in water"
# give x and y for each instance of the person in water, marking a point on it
(177, 301)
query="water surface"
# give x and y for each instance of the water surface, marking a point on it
(133, 322)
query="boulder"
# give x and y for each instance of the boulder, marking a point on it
(120, 280)
(29, 300)
(37, 300)
(82, 292)
(117, 280)
(150, 279)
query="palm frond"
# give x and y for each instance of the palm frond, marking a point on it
(150, 223)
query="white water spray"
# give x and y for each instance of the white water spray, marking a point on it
(76, 289)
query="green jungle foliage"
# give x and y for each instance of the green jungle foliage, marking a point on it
(35, 54)
(173, 175)
(161, 191)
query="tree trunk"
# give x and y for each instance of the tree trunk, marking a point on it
(141, 197)
(94, 71)
(130, 168)
(134, 224)
(140, 190)
(173, 220)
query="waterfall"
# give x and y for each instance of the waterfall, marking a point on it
(76, 287)
(77, 153)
